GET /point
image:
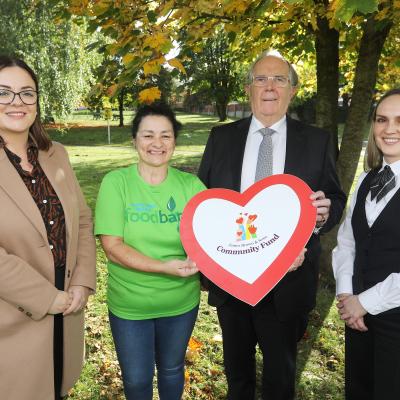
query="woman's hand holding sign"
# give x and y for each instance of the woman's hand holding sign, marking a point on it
(182, 268)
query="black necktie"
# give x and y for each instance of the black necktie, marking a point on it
(382, 183)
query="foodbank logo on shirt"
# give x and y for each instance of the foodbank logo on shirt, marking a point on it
(150, 213)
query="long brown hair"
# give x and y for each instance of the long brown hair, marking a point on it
(37, 130)
(373, 155)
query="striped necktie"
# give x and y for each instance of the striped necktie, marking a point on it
(382, 183)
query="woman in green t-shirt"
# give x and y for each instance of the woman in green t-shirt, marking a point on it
(153, 288)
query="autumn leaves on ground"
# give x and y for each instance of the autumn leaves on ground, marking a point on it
(320, 364)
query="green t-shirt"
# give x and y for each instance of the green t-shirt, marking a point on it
(147, 218)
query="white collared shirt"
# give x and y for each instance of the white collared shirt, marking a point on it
(384, 295)
(253, 141)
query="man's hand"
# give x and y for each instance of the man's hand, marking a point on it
(322, 205)
(298, 261)
(79, 295)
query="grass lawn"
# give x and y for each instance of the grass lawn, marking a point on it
(321, 352)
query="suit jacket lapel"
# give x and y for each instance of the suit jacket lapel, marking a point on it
(294, 147)
(237, 146)
(56, 175)
(15, 188)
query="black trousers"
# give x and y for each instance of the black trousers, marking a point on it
(373, 359)
(58, 337)
(243, 327)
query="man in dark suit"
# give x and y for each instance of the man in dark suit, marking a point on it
(232, 160)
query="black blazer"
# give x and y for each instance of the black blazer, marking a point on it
(309, 157)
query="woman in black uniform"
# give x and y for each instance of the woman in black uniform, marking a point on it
(366, 264)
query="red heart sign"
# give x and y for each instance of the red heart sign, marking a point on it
(246, 242)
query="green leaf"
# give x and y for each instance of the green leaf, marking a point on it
(345, 9)
(93, 45)
(152, 16)
(262, 7)
(231, 36)
(166, 47)
(266, 33)
(111, 32)
(175, 73)
(92, 26)
(101, 8)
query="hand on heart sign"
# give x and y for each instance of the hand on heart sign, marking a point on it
(246, 242)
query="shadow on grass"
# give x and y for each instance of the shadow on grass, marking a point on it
(320, 361)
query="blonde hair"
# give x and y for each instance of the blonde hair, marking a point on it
(373, 155)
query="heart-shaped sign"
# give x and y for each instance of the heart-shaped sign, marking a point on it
(246, 242)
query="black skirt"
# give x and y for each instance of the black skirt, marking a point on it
(58, 337)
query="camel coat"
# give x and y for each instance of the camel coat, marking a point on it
(27, 280)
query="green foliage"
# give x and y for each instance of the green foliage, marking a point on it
(345, 9)
(54, 49)
(164, 82)
(215, 72)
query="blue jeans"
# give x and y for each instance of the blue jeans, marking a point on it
(142, 344)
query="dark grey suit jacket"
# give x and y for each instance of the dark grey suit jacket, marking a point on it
(309, 157)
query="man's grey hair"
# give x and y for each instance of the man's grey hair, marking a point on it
(293, 77)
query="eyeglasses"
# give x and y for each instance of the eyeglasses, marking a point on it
(277, 80)
(28, 97)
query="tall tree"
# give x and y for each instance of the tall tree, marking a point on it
(55, 50)
(107, 79)
(215, 70)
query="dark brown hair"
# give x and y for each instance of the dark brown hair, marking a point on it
(158, 109)
(37, 130)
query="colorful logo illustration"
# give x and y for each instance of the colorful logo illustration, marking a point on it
(246, 230)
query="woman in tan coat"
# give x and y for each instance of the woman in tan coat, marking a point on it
(47, 250)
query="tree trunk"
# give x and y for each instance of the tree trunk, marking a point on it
(121, 97)
(371, 45)
(327, 58)
(327, 55)
(365, 77)
(221, 110)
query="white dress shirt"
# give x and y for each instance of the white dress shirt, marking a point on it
(253, 141)
(384, 295)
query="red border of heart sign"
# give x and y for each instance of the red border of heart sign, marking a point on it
(254, 292)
